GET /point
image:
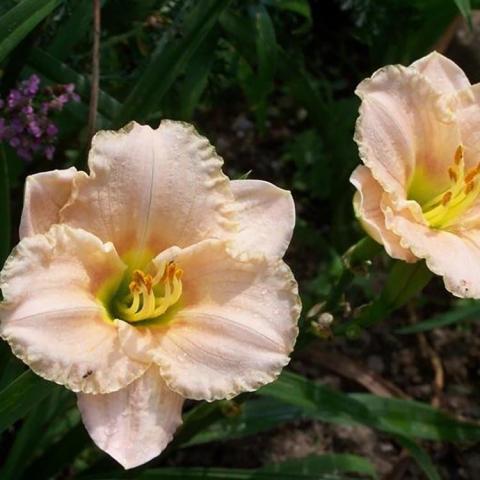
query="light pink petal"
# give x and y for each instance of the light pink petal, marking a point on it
(453, 255)
(405, 128)
(50, 316)
(468, 114)
(45, 195)
(150, 189)
(235, 330)
(446, 76)
(367, 201)
(136, 423)
(266, 215)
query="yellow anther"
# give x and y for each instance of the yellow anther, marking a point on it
(458, 155)
(446, 198)
(472, 173)
(149, 296)
(469, 187)
(452, 174)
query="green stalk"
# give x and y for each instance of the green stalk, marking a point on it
(404, 282)
(5, 227)
(352, 260)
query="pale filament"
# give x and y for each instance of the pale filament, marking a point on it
(442, 210)
(149, 297)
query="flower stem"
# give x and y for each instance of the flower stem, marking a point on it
(352, 260)
(5, 228)
(404, 281)
(92, 117)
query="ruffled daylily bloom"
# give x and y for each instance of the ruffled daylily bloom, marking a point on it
(418, 190)
(151, 280)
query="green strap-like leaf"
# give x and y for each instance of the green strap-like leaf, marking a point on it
(196, 76)
(255, 416)
(457, 315)
(18, 398)
(170, 58)
(338, 472)
(325, 464)
(421, 457)
(465, 8)
(416, 419)
(73, 30)
(18, 22)
(399, 417)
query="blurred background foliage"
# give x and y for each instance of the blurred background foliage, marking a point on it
(271, 83)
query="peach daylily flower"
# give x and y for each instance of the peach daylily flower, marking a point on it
(418, 190)
(151, 280)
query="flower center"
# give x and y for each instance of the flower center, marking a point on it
(442, 210)
(151, 296)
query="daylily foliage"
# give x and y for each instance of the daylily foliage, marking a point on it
(152, 279)
(418, 190)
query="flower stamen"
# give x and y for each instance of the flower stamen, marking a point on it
(149, 297)
(443, 209)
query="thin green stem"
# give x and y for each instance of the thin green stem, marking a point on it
(405, 280)
(5, 222)
(355, 256)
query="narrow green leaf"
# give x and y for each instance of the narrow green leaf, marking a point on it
(18, 22)
(325, 464)
(417, 420)
(255, 416)
(421, 457)
(465, 8)
(461, 314)
(240, 31)
(11, 368)
(195, 421)
(230, 474)
(267, 51)
(73, 30)
(18, 398)
(405, 280)
(5, 227)
(169, 59)
(24, 439)
(60, 454)
(196, 76)
(30, 436)
(301, 7)
(318, 401)
(400, 417)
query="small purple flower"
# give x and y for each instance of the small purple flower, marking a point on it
(52, 130)
(17, 126)
(14, 98)
(31, 86)
(49, 152)
(26, 122)
(14, 142)
(27, 110)
(25, 154)
(34, 129)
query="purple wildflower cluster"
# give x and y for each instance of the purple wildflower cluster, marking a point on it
(25, 117)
